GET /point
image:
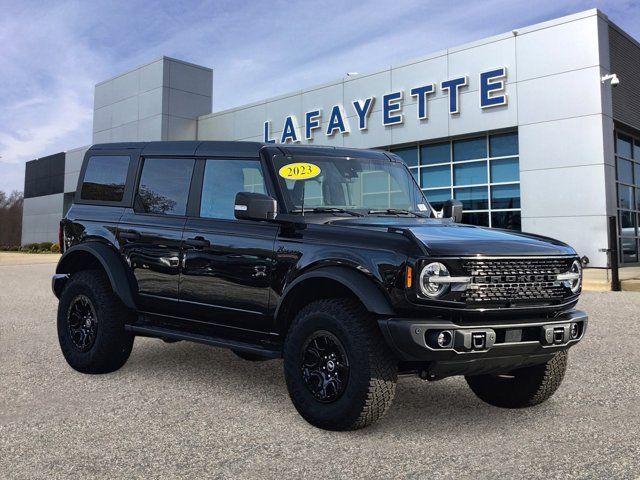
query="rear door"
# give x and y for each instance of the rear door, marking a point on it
(227, 262)
(150, 234)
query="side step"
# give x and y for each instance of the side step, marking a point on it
(160, 332)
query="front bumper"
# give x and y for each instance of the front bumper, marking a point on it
(482, 347)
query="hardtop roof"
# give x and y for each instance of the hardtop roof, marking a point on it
(236, 149)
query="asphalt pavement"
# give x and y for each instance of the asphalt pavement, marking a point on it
(190, 411)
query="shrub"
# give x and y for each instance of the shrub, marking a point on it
(55, 248)
(46, 246)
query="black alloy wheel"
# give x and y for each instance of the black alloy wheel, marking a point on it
(82, 323)
(325, 366)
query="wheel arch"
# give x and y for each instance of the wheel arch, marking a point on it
(98, 256)
(326, 282)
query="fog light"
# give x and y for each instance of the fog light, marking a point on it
(440, 339)
(575, 331)
(444, 339)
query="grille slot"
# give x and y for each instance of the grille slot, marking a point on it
(515, 282)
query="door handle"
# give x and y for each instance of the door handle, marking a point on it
(130, 235)
(198, 242)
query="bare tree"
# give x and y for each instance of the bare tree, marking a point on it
(11, 218)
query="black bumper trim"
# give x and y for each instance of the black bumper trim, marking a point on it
(407, 337)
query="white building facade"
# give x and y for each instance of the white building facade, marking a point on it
(520, 127)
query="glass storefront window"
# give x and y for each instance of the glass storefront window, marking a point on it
(438, 197)
(470, 173)
(462, 169)
(435, 153)
(473, 198)
(503, 145)
(476, 218)
(505, 196)
(623, 146)
(435, 176)
(409, 155)
(505, 170)
(625, 171)
(470, 149)
(628, 195)
(510, 220)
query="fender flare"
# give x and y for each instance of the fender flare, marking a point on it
(362, 286)
(111, 263)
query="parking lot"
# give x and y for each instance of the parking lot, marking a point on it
(187, 410)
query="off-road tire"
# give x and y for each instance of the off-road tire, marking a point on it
(522, 388)
(372, 377)
(250, 357)
(112, 345)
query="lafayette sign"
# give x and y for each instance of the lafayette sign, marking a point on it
(491, 94)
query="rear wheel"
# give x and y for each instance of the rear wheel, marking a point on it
(91, 322)
(339, 371)
(520, 388)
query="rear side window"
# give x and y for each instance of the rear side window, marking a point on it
(164, 186)
(105, 178)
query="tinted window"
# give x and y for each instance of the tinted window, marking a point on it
(436, 176)
(435, 153)
(409, 155)
(164, 186)
(105, 178)
(507, 170)
(503, 145)
(470, 173)
(223, 179)
(473, 198)
(470, 149)
(623, 146)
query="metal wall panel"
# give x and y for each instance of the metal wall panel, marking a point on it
(625, 62)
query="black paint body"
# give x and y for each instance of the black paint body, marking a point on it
(244, 280)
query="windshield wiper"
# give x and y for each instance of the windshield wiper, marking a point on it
(327, 210)
(395, 211)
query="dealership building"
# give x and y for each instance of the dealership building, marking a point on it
(537, 129)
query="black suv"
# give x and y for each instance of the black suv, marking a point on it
(330, 258)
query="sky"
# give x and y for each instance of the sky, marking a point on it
(52, 53)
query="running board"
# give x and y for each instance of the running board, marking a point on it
(160, 332)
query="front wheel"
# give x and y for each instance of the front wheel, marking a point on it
(524, 387)
(339, 371)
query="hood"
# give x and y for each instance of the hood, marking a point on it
(445, 238)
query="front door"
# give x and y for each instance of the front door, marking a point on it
(227, 262)
(150, 234)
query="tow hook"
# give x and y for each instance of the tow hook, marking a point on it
(560, 334)
(475, 340)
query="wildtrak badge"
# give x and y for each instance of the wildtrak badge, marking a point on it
(491, 93)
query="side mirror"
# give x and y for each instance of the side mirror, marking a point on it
(452, 209)
(254, 206)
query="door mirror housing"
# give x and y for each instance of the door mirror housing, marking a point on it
(255, 206)
(452, 209)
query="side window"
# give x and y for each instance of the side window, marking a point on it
(223, 179)
(164, 186)
(105, 178)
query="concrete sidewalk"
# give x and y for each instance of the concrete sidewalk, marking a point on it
(20, 258)
(599, 279)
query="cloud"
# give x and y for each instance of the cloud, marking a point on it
(54, 53)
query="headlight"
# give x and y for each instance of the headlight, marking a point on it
(428, 280)
(576, 267)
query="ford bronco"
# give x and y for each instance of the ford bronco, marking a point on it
(330, 258)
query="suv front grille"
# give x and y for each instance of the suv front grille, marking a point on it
(516, 282)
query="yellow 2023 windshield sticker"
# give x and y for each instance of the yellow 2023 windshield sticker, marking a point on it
(299, 171)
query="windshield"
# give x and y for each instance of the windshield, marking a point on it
(348, 183)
